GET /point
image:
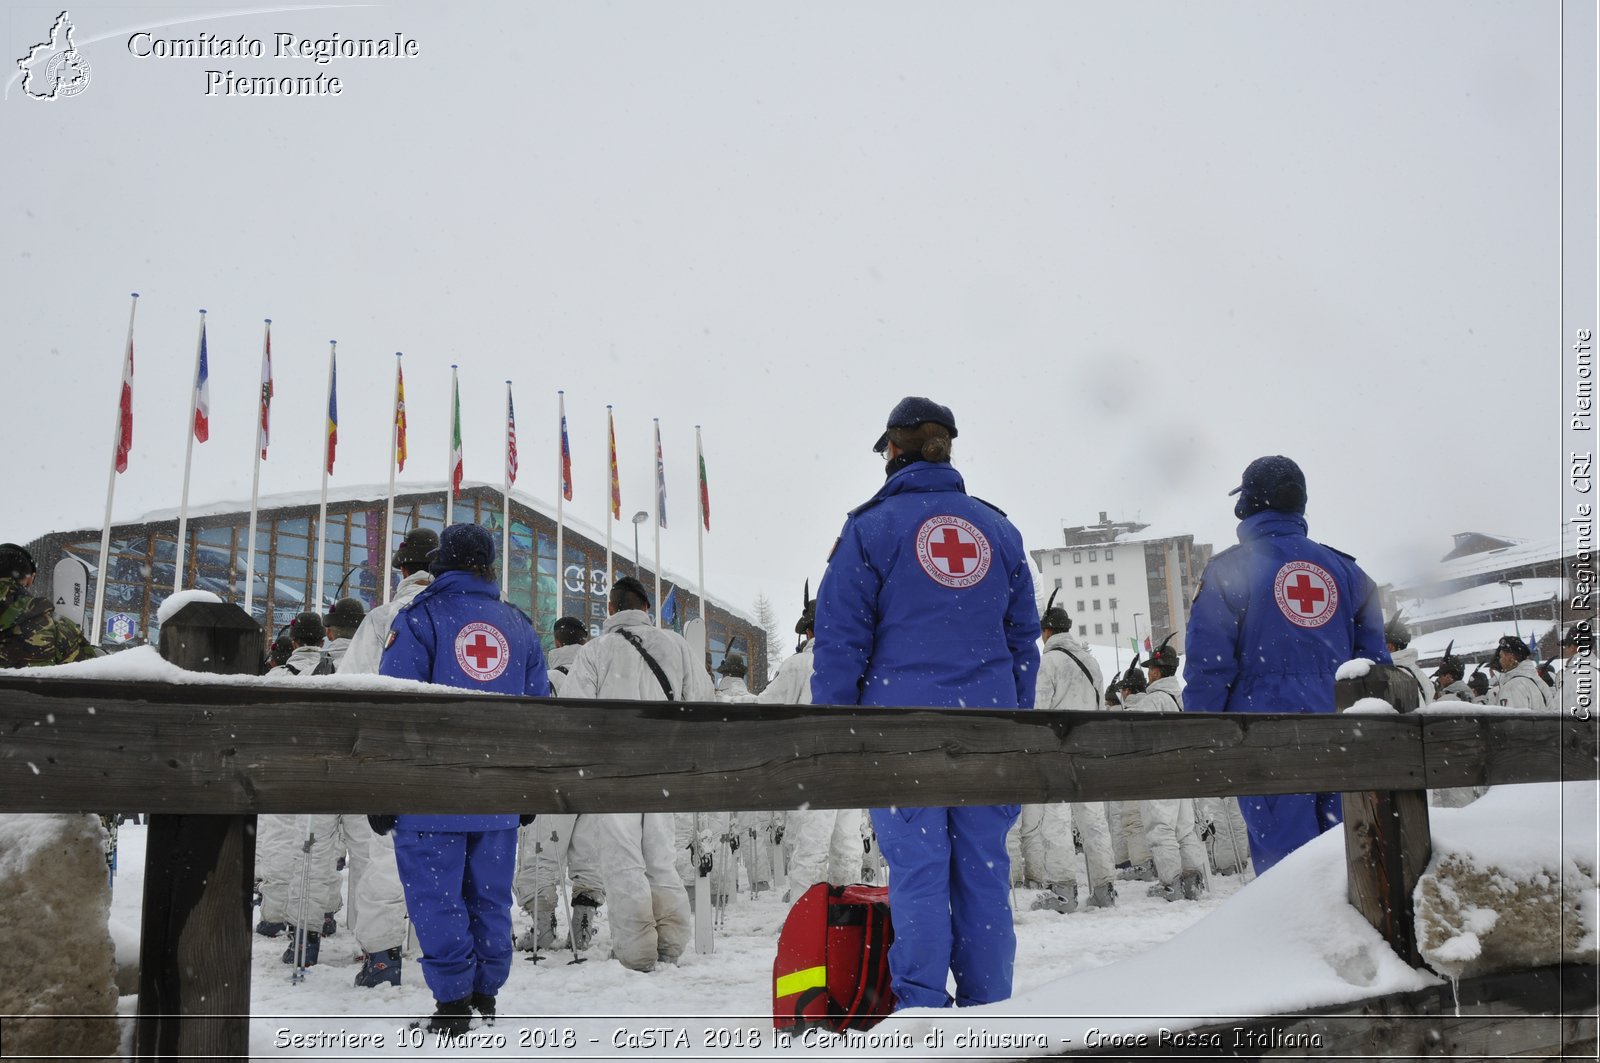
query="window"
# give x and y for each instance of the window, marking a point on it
(1113, 603)
(1094, 581)
(1116, 629)
(1097, 605)
(1077, 558)
(1091, 555)
(1098, 629)
(1077, 581)
(1080, 605)
(1055, 557)
(1058, 583)
(1111, 579)
(1108, 553)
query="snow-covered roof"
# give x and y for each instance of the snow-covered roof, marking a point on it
(1474, 638)
(1531, 552)
(1480, 598)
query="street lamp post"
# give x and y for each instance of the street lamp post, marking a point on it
(638, 519)
(1511, 586)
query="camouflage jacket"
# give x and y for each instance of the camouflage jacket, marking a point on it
(30, 634)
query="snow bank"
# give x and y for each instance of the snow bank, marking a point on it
(1371, 707)
(170, 607)
(1353, 669)
(1512, 881)
(58, 958)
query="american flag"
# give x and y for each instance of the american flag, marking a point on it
(511, 438)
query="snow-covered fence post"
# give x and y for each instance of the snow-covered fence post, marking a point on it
(1387, 840)
(194, 952)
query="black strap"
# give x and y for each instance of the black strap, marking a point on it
(1074, 659)
(638, 644)
(562, 669)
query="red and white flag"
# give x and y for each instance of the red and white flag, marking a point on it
(202, 389)
(511, 437)
(125, 403)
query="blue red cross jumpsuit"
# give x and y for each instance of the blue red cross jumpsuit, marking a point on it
(1273, 620)
(457, 869)
(928, 602)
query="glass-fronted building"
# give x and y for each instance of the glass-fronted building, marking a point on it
(217, 558)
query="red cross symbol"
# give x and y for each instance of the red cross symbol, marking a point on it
(953, 551)
(1306, 595)
(483, 651)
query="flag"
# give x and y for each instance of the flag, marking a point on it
(455, 438)
(202, 392)
(1133, 644)
(661, 482)
(333, 409)
(125, 410)
(566, 455)
(399, 416)
(705, 494)
(511, 438)
(669, 609)
(1147, 644)
(266, 390)
(616, 484)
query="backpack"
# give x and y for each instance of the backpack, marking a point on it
(832, 968)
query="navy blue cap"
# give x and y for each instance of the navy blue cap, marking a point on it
(1273, 482)
(912, 411)
(462, 546)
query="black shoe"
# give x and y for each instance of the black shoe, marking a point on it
(329, 927)
(451, 1017)
(483, 1003)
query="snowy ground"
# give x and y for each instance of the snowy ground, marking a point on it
(1283, 942)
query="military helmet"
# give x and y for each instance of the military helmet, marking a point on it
(1450, 664)
(1132, 682)
(307, 629)
(1164, 657)
(733, 665)
(15, 562)
(808, 611)
(1479, 683)
(1397, 632)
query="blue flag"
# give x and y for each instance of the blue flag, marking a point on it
(669, 609)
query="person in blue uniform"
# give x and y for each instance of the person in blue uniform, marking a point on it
(457, 869)
(1272, 621)
(928, 602)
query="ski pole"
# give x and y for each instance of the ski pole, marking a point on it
(307, 839)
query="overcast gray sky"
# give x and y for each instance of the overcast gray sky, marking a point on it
(1132, 246)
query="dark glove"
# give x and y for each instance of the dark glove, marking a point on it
(777, 836)
(524, 820)
(733, 842)
(1208, 831)
(705, 865)
(381, 824)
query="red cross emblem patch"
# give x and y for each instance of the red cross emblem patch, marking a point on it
(953, 551)
(1305, 593)
(482, 651)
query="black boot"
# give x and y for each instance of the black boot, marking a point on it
(484, 1004)
(451, 1017)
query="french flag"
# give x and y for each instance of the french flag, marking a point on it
(202, 391)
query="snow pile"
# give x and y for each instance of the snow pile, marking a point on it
(1371, 707)
(1505, 890)
(58, 958)
(170, 607)
(1353, 669)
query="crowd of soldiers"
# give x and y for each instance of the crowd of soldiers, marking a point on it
(661, 877)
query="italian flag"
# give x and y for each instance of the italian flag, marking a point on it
(455, 438)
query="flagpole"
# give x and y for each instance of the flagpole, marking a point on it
(322, 509)
(660, 489)
(561, 498)
(111, 485)
(188, 460)
(394, 455)
(505, 515)
(255, 481)
(450, 476)
(700, 528)
(610, 511)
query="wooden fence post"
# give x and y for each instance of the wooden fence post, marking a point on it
(1386, 835)
(199, 877)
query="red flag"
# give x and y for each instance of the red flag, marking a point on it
(125, 404)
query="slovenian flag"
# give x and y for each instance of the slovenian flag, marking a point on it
(202, 390)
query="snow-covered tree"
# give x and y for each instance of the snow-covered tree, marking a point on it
(767, 617)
